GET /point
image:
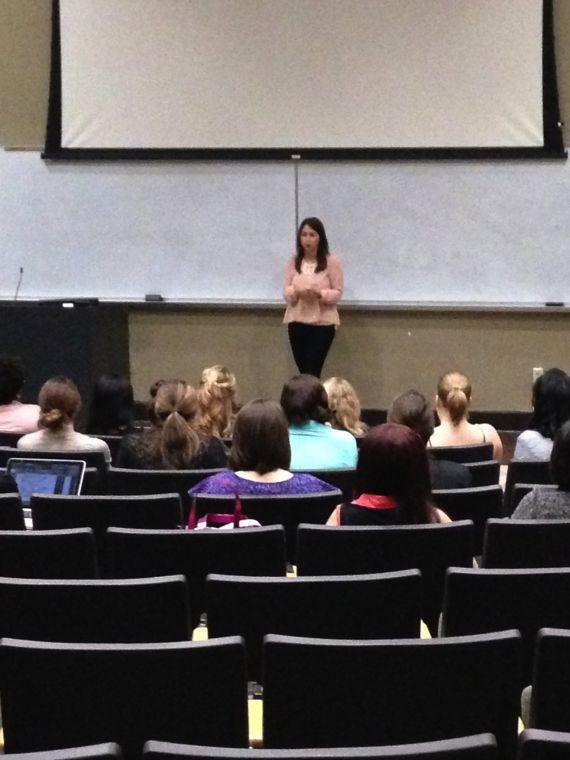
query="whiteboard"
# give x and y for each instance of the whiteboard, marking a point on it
(407, 232)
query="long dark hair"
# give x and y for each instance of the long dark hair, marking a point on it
(560, 458)
(323, 249)
(551, 402)
(112, 406)
(392, 461)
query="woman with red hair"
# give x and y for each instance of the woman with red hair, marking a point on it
(392, 481)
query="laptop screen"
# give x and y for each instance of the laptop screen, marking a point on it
(46, 476)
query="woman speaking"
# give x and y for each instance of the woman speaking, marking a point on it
(313, 287)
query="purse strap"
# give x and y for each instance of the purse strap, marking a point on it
(192, 515)
(237, 511)
(238, 514)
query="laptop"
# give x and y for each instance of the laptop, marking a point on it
(46, 476)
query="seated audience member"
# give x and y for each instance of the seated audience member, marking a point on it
(452, 406)
(344, 406)
(547, 503)
(174, 442)
(60, 403)
(392, 480)
(414, 410)
(314, 445)
(551, 408)
(217, 400)
(260, 457)
(15, 417)
(111, 410)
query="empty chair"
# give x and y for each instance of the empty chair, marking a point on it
(344, 607)
(520, 471)
(108, 751)
(550, 698)
(484, 473)
(59, 695)
(475, 452)
(481, 601)
(342, 478)
(140, 482)
(337, 693)
(432, 548)
(102, 512)
(289, 511)
(195, 553)
(48, 554)
(480, 747)
(535, 744)
(147, 609)
(476, 504)
(11, 512)
(527, 543)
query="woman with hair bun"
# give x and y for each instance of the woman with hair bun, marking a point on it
(60, 403)
(344, 406)
(452, 406)
(174, 442)
(217, 401)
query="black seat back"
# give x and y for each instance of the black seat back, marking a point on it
(484, 473)
(344, 607)
(326, 550)
(550, 699)
(527, 543)
(476, 504)
(519, 471)
(342, 478)
(107, 751)
(535, 744)
(48, 554)
(11, 512)
(195, 553)
(475, 452)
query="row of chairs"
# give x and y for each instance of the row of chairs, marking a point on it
(533, 744)
(317, 692)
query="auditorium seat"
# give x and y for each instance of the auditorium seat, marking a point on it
(527, 543)
(344, 607)
(48, 553)
(535, 744)
(476, 504)
(195, 553)
(550, 697)
(484, 473)
(327, 550)
(475, 452)
(65, 695)
(335, 693)
(107, 751)
(342, 478)
(520, 471)
(11, 513)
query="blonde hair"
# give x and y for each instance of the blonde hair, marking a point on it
(59, 402)
(344, 406)
(216, 397)
(454, 393)
(174, 415)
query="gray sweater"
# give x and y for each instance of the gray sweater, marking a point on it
(543, 504)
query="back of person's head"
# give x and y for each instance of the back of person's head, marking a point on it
(551, 402)
(415, 411)
(217, 399)
(560, 457)
(344, 405)
(304, 398)
(11, 378)
(175, 418)
(454, 394)
(392, 461)
(111, 409)
(261, 438)
(59, 402)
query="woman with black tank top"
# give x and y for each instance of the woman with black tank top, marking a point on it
(392, 481)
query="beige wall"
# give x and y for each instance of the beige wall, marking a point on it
(382, 353)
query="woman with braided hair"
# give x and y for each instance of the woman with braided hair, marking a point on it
(452, 406)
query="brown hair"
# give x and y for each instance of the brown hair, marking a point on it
(59, 402)
(176, 440)
(304, 398)
(261, 438)
(216, 397)
(344, 406)
(415, 411)
(454, 393)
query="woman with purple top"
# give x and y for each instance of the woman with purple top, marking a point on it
(260, 457)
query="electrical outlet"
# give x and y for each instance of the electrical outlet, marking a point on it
(536, 373)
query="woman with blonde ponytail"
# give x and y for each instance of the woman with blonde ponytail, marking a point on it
(217, 400)
(175, 441)
(60, 403)
(452, 406)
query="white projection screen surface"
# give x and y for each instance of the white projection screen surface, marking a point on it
(300, 74)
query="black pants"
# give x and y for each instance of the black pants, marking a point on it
(310, 345)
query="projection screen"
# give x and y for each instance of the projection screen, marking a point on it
(324, 77)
